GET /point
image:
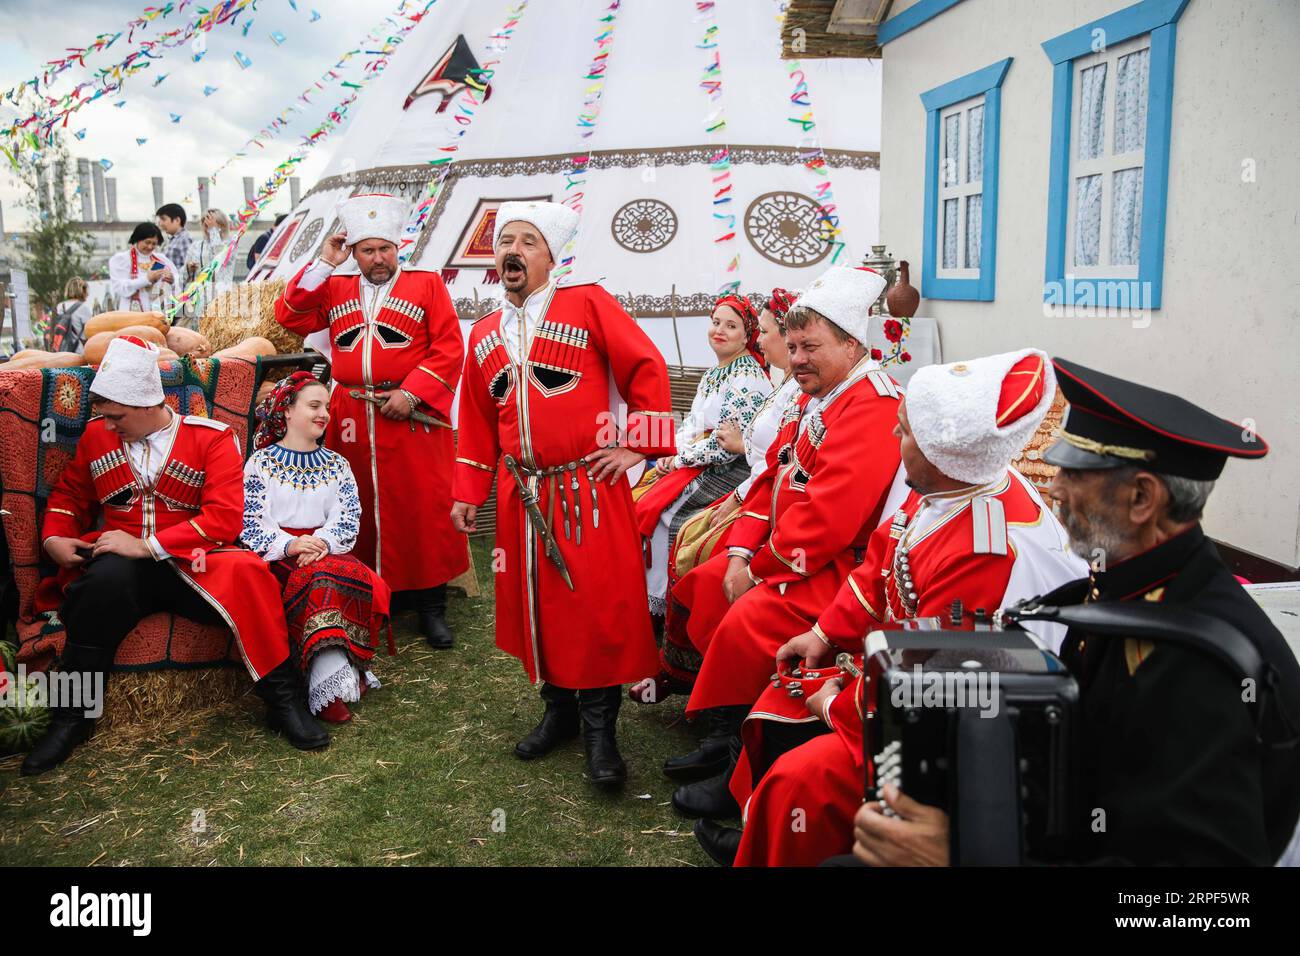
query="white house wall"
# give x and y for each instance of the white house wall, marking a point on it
(1227, 335)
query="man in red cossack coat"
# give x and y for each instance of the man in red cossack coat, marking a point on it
(170, 490)
(971, 529)
(397, 352)
(535, 415)
(802, 528)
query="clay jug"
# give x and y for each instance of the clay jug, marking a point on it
(903, 299)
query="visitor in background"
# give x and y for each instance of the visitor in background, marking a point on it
(301, 515)
(171, 220)
(139, 277)
(259, 246)
(67, 328)
(211, 245)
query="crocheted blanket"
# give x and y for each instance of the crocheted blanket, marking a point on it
(43, 413)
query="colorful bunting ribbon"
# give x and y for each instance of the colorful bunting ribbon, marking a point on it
(715, 124)
(575, 178)
(77, 54)
(377, 34)
(467, 106)
(811, 154)
(36, 130)
(280, 175)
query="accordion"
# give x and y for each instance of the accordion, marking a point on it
(976, 719)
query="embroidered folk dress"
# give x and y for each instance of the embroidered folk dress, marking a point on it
(128, 280)
(727, 393)
(336, 606)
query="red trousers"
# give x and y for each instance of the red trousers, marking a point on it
(802, 810)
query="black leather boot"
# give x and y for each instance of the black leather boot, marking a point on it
(711, 799)
(599, 711)
(558, 724)
(286, 708)
(69, 726)
(711, 756)
(431, 615)
(719, 842)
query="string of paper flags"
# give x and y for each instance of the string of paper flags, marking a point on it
(575, 178)
(474, 95)
(280, 175)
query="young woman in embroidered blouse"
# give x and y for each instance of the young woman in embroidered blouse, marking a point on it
(301, 514)
(702, 469)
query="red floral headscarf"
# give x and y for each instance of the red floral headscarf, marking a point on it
(271, 425)
(779, 305)
(749, 315)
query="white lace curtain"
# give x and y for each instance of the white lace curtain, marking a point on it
(1130, 117)
(961, 240)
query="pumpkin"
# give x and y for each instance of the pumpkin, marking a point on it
(34, 358)
(24, 716)
(116, 321)
(96, 346)
(249, 350)
(185, 341)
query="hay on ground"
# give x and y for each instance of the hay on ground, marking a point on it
(142, 703)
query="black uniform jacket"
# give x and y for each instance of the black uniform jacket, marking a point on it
(1174, 769)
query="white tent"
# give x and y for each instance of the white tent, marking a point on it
(649, 226)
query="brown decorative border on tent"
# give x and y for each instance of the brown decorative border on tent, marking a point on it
(638, 306)
(411, 178)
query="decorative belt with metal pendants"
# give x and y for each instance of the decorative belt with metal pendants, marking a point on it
(565, 489)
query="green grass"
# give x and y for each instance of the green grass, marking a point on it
(418, 777)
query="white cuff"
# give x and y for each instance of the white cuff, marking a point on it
(315, 276)
(826, 711)
(335, 546)
(740, 553)
(157, 550)
(278, 550)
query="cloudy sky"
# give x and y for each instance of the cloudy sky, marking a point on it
(211, 128)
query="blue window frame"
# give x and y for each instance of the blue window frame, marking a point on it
(1107, 282)
(976, 281)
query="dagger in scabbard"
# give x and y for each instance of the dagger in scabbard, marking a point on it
(533, 509)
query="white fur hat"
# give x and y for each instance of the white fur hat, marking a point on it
(557, 223)
(844, 296)
(373, 216)
(970, 418)
(129, 373)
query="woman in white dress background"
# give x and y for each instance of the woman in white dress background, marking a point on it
(211, 245)
(141, 279)
(702, 470)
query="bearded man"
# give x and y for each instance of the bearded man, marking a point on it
(535, 416)
(397, 352)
